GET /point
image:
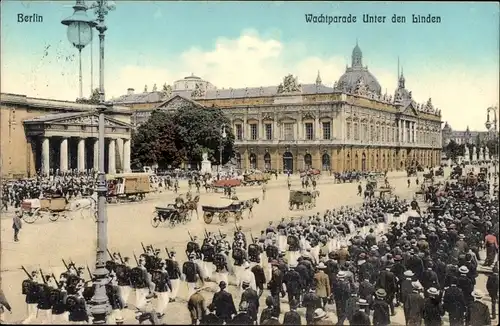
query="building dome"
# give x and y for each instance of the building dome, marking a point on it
(357, 72)
(189, 83)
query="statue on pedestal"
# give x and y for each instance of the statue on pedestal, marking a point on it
(481, 155)
(206, 165)
(474, 153)
(467, 153)
(486, 153)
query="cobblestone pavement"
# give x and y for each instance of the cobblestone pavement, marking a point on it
(44, 243)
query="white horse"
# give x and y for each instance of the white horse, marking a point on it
(84, 204)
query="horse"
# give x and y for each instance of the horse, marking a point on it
(192, 205)
(248, 204)
(88, 203)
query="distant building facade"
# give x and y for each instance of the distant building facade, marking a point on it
(463, 137)
(350, 126)
(41, 135)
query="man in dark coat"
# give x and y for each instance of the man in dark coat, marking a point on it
(250, 296)
(211, 318)
(293, 284)
(268, 311)
(433, 310)
(366, 291)
(260, 278)
(454, 303)
(275, 286)
(292, 317)
(478, 313)
(387, 281)
(224, 304)
(414, 306)
(492, 287)
(360, 317)
(430, 278)
(243, 317)
(17, 224)
(381, 308)
(311, 302)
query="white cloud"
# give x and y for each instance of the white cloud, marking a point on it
(462, 93)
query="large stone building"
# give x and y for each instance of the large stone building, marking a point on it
(350, 126)
(40, 135)
(463, 137)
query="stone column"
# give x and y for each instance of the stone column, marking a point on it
(112, 156)
(126, 155)
(317, 130)
(63, 166)
(96, 155)
(400, 128)
(276, 133)
(45, 156)
(414, 132)
(119, 148)
(81, 154)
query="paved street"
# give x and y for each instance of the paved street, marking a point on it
(44, 243)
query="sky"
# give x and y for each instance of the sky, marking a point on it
(253, 44)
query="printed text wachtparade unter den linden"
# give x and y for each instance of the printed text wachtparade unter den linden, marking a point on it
(372, 19)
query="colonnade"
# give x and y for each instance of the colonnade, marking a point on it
(407, 131)
(87, 154)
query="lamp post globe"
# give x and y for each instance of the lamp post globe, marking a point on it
(79, 26)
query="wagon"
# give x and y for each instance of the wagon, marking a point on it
(170, 214)
(128, 186)
(223, 213)
(385, 191)
(301, 198)
(255, 178)
(32, 209)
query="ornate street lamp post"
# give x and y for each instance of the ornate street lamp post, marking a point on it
(79, 33)
(100, 307)
(224, 135)
(493, 134)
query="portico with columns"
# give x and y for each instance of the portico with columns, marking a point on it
(69, 141)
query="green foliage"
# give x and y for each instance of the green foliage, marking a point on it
(93, 99)
(453, 149)
(170, 138)
(493, 146)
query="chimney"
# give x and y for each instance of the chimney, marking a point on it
(130, 91)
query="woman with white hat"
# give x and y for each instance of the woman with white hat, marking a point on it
(433, 310)
(320, 317)
(478, 313)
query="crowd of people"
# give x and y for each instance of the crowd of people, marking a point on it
(360, 262)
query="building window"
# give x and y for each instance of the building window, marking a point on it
(269, 131)
(327, 131)
(356, 131)
(239, 132)
(378, 136)
(288, 131)
(309, 131)
(253, 132)
(348, 130)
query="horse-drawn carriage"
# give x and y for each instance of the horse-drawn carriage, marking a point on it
(222, 185)
(302, 198)
(235, 208)
(255, 178)
(33, 209)
(385, 191)
(129, 186)
(171, 214)
(310, 173)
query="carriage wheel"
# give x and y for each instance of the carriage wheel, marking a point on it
(208, 217)
(53, 216)
(224, 217)
(29, 217)
(184, 217)
(155, 221)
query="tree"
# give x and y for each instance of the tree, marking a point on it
(170, 138)
(156, 142)
(93, 99)
(200, 130)
(453, 150)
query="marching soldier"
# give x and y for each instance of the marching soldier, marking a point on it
(293, 247)
(239, 256)
(272, 253)
(208, 251)
(44, 306)
(221, 267)
(163, 288)
(116, 300)
(141, 281)
(174, 273)
(30, 288)
(192, 273)
(78, 310)
(254, 252)
(58, 299)
(123, 278)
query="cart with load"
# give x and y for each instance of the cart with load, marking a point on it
(223, 213)
(301, 199)
(172, 214)
(385, 191)
(33, 209)
(128, 186)
(256, 178)
(222, 184)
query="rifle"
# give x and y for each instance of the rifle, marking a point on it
(220, 233)
(206, 233)
(65, 265)
(253, 239)
(109, 253)
(168, 253)
(191, 235)
(121, 259)
(136, 260)
(143, 248)
(43, 277)
(29, 276)
(90, 274)
(55, 280)
(72, 262)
